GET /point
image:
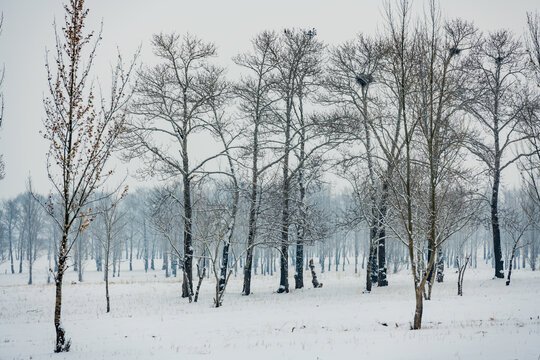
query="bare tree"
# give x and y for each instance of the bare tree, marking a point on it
(172, 104)
(354, 68)
(31, 217)
(81, 137)
(112, 221)
(10, 218)
(499, 70)
(430, 189)
(292, 55)
(255, 94)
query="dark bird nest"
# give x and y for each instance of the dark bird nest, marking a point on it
(364, 79)
(454, 51)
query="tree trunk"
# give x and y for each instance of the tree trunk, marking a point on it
(61, 343)
(381, 274)
(106, 272)
(187, 285)
(30, 262)
(284, 255)
(356, 252)
(419, 309)
(440, 266)
(11, 249)
(131, 250)
(511, 264)
(299, 275)
(382, 271)
(252, 213)
(497, 250)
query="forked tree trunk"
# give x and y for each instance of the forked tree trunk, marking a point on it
(461, 274)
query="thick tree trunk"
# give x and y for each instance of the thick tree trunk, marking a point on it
(251, 238)
(314, 281)
(440, 266)
(284, 255)
(382, 271)
(417, 322)
(224, 264)
(371, 268)
(299, 275)
(381, 274)
(187, 285)
(497, 250)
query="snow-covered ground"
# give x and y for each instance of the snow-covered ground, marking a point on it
(148, 318)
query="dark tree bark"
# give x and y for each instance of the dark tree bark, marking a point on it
(495, 227)
(381, 246)
(314, 281)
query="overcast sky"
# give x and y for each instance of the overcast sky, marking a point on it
(28, 32)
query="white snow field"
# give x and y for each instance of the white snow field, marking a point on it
(148, 318)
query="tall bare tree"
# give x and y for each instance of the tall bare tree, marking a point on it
(171, 104)
(354, 68)
(291, 56)
(499, 70)
(255, 94)
(431, 194)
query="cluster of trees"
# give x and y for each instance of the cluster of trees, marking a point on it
(422, 121)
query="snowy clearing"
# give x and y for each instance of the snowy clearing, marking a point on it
(148, 319)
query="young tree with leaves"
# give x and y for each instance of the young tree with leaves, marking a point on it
(81, 136)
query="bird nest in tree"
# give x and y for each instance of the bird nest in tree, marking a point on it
(364, 79)
(454, 51)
